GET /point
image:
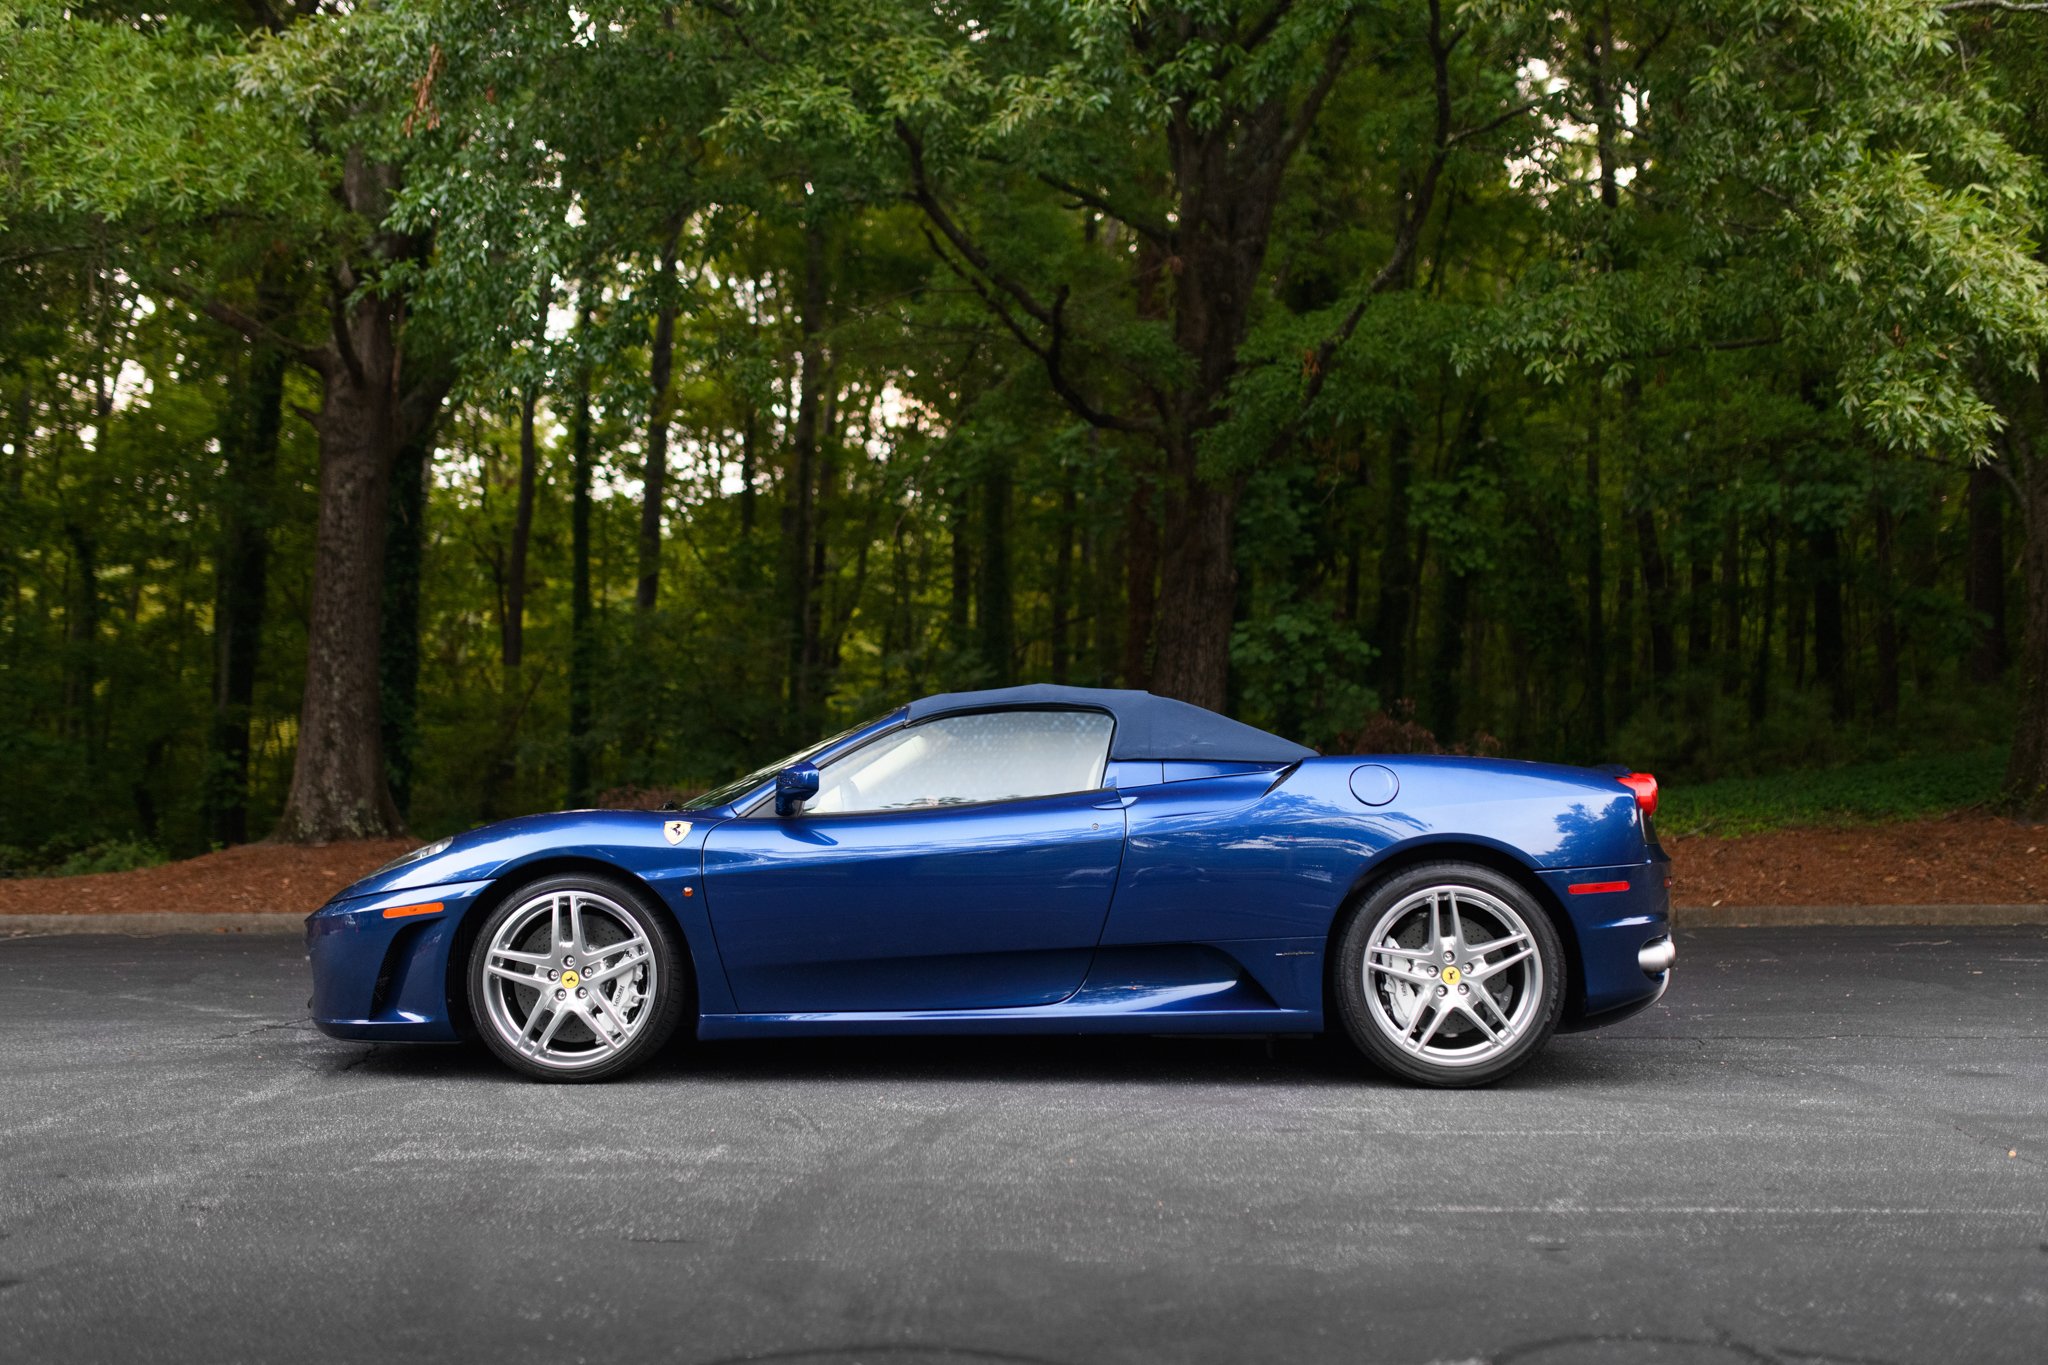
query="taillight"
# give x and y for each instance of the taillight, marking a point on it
(1645, 788)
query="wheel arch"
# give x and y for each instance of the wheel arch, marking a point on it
(1480, 853)
(509, 880)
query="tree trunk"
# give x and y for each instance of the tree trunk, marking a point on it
(1223, 182)
(1920, 555)
(1354, 565)
(1884, 700)
(2026, 774)
(749, 441)
(1396, 570)
(800, 510)
(1454, 670)
(1657, 594)
(1984, 575)
(1225, 167)
(81, 632)
(654, 481)
(1731, 604)
(996, 614)
(399, 635)
(1795, 624)
(1830, 658)
(960, 597)
(1141, 585)
(339, 786)
(1104, 562)
(1063, 580)
(821, 646)
(1622, 628)
(1447, 668)
(512, 632)
(1699, 607)
(1760, 673)
(1596, 592)
(242, 580)
(1198, 593)
(1227, 175)
(1226, 180)
(1597, 46)
(512, 694)
(582, 644)
(17, 469)
(899, 622)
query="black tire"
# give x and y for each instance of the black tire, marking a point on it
(607, 1028)
(1500, 1037)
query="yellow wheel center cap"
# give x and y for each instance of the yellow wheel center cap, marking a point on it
(570, 979)
(1451, 976)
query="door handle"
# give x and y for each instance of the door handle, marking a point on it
(1116, 803)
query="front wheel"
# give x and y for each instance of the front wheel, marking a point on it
(1449, 974)
(576, 978)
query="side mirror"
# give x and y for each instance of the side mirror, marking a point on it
(795, 785)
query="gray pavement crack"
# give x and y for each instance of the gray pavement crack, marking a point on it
(802, 1355)
(2011, 1145)
(296, 1025)
(1564, 1348)
(352, 1063)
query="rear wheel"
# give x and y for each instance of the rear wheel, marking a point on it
(576, 978)
(1449, 974)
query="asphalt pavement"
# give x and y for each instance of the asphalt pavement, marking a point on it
(1823, 1145)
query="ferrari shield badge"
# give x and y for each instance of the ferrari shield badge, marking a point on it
(675, 830)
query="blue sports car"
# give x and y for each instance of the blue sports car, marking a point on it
(1029, 860)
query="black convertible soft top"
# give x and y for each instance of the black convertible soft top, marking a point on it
(1147, 727)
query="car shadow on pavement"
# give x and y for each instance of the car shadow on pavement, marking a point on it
(1291, 1062)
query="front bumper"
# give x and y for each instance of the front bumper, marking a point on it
(376, 976)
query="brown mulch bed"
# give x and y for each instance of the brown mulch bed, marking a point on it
(280, 879)
(1964, 859)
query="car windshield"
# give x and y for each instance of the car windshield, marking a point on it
(740, 786)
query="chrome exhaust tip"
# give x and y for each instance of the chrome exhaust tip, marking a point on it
(1656, 956)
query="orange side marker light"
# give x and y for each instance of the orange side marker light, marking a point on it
(401, 911)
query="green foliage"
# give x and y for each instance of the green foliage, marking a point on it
(147, 122)
(1696, 338)
(1860, 793)
(120, 855)
(1304, 667)
(60, 859)
(1827, 178)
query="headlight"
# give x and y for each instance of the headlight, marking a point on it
(420, 854)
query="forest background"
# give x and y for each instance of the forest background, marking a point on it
(417, 413)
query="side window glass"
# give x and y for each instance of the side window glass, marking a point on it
(961, 760)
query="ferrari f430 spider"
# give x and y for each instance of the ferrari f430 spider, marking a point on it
(1051, 860)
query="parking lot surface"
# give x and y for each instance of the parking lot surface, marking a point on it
(1823, 1145)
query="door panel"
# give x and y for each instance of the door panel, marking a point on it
(970, 908)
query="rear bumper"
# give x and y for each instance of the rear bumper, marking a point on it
(1620, 1012)
(1621, 917)
(382, 978)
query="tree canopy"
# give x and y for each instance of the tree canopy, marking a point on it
(416, 413)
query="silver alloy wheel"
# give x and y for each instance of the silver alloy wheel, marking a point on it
(1452, 975)
(569, 979)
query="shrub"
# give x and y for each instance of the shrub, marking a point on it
(114, 855)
